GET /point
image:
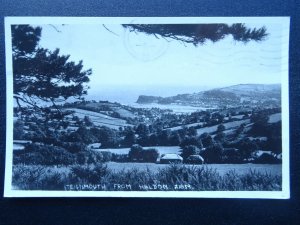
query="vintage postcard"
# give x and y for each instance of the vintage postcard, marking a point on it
(147, 107)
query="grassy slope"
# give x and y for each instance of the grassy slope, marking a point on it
(274, 118)
(100, 119)
(228, 125)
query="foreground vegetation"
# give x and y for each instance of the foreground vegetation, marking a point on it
(98, 177)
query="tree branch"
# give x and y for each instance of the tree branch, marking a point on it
(109, 30)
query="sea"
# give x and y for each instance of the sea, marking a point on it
(128, 95)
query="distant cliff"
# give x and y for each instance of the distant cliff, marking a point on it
(144, 99)
(242, 93)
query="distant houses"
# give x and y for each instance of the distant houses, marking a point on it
(171, 158)
(94, 146)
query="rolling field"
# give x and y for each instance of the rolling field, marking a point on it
(100, 119)
(124, 112)
(187, 125)
(274, 118)
(228, 126)
(113, 107)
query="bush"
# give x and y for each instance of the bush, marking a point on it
(53, 181)
(213, 153)
(106, 156)
(74, 147)
(191, 141)
(221, 128)
(138, 154)
(267, 158)
(89, 157)
(149, 155)
(200, 178)
(135, 152)
(34, 154)
(37, 178)
(247, 147)
(190, 150)
(89, 174)
(27, 177)
(29, 158)
(119, 158)
(232, 155)
(206, 140)
(40, 154)
(255, 181)
(195, 159)
(18, 132)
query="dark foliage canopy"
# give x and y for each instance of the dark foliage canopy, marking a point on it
(198, 34)
(43, 75)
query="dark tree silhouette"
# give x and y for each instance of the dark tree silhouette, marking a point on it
(43, 75)
(190, 150)
(198, 34)
(134, 153)
(129, 138)
(213, 153)
(221, 128)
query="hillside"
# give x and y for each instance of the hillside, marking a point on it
(266, 94)
(98, 119)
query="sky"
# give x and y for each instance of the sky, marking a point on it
(119, 58)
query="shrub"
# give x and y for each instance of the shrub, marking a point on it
(190, 150)
(195, 159)
(247, 147)
(74, 147)
(119, 158)
(19, 130)
(89, 174)
(231, 181)
(213, 153)
(138, 154)
(135, 152)
(106, 156)
(89, 157)
(206, 139)
(29, 158)
(149, 155)
(53, 181)
(198, 178)
(231, 155)
(134, 178)
(267, 158)
(27, 177)
(191, 141)
(34, 154)
(221, 128)
(255, 181)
